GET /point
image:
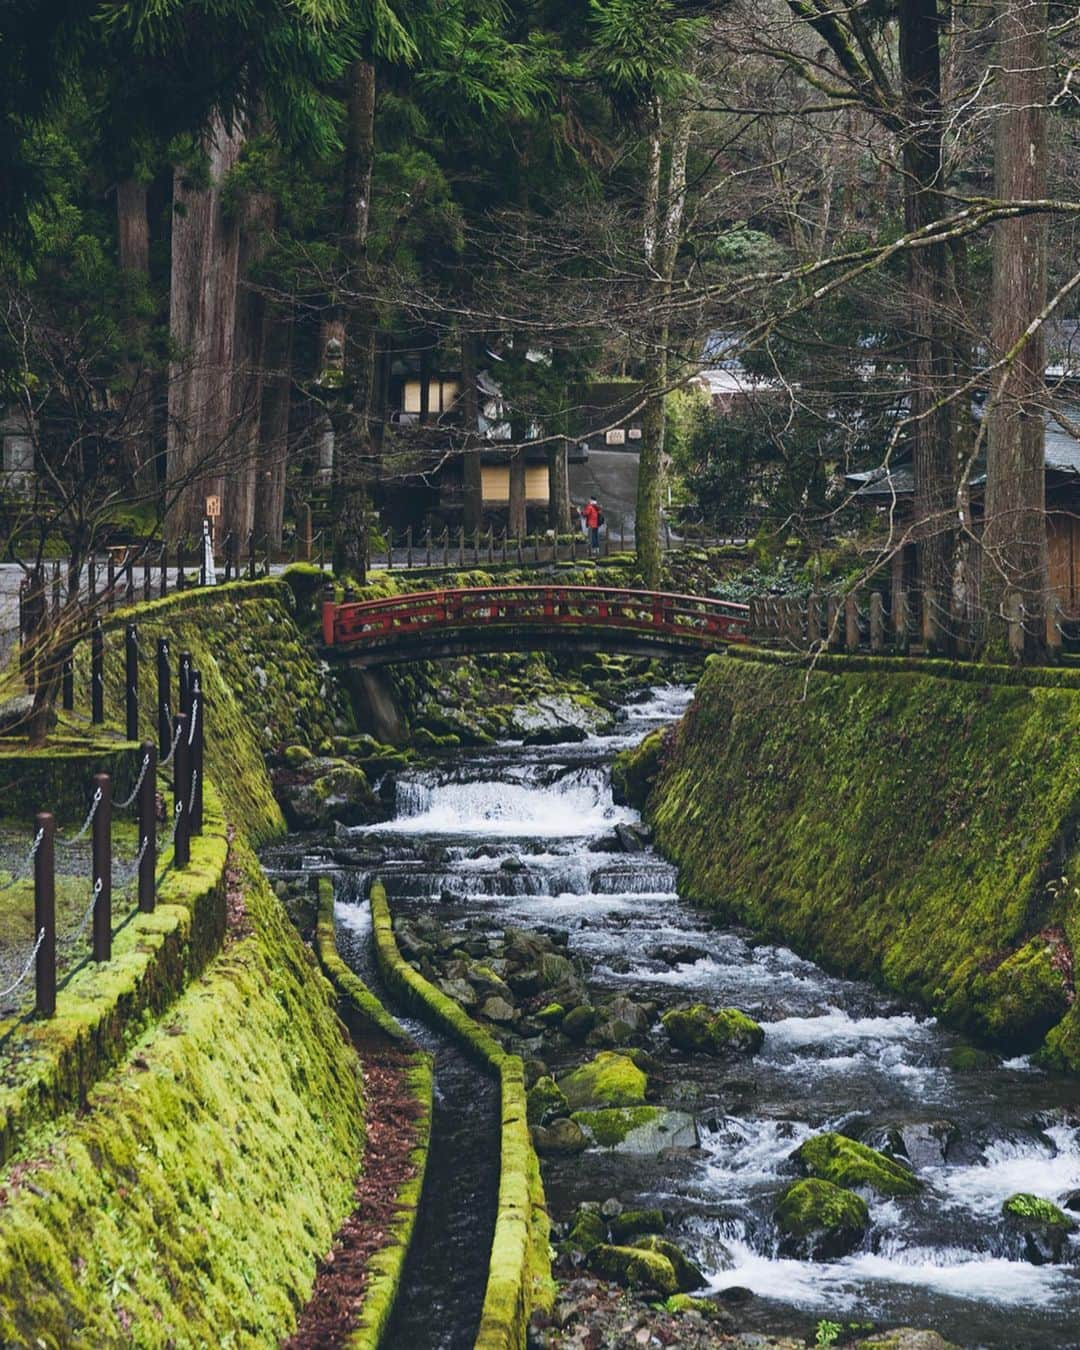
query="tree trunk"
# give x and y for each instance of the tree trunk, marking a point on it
(647, 508)
(519, 524)
(352, 451)
(558, 487)
(1014, 539)
(202, 316)
(274, 427)
(930, 351)
(471, 477)
(133, 250)
(256, 220)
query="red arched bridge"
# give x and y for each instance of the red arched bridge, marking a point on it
(434, 624)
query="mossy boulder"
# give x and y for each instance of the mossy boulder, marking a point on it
(587, 1230)
(610, 1079)
(705, 1031)
(545, 1101)
(562, 1138)
(845, 1162)
(638, 1129)
(634, 771)
(704, 1307)
(817, 1221)
(1040, 1226)
(579, 1021)
(686, 1273)
(296, 756)
(550, 1015)
(634, 1268)
(631, 1223)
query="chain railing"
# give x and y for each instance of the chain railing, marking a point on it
(184, 755)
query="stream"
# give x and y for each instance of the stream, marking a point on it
(523, 836)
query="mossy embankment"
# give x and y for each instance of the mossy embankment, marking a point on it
(519, 1267)
(188, 1203)
(913, 823)
(192, 1162)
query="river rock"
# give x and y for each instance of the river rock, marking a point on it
(847, 1163)
(545, 1101)
(558, 714)
(561, 1138)
(921, 1143)
(702, 1030)
(817, 1221)
(523, 946)
(578, 1022)
(638, 1129)
(634, 1268)
(1042, 1228)
(1072, 1202)
(496, 1009)
(587, 1229)
(631, 1223)
(686, 1273)
(628, 839)
(563, 735)
(460, 991)
(908, 1338)
(487, 981)
(609, 1079)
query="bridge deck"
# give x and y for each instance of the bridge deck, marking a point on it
(515, 618)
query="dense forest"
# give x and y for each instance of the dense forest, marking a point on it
(227, 222)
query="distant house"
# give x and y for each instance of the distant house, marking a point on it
(724, 379)
(429, 399)
(17, 462)
(894, 489)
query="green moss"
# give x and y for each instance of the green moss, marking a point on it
(806, 1207)
(358, 1007)
(1024, 1205)
(634, 771)
(704, 1031)
(610, 1079)
(684, 1303)
(686, 1273)
(635, 1269)
(610, 1126)
(544, 1101)
(890, 823)
(844, 1162)
(587, 1231)
(191, 1199)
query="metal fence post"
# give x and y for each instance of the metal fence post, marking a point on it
(461, 546)
(102, 854)
(97, 673)
(185, 682)
(129, 579)
(164, 708)
(148, 828)
(251, 555)
(179, 566)
(110, 582)
(182, 792)
(198, 724)
(164, 571)
(877, 623)
(67, 685)
(45, 914)
(408, 547)
(147, 583)
(131, 681)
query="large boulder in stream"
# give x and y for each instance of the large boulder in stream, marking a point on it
(560, 1139)
(833, 1157)
(686, 1273)
(707, 1031)
(634, 1268)
(609, 1079)
(817, 1221)
(638, 1129)
(1042, 1228)
(545, 1101)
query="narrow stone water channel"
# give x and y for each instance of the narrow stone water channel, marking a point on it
(524, 837)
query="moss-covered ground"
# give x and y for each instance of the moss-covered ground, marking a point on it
(891, 823)
(188, 1203)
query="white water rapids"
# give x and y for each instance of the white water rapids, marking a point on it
(525, 836)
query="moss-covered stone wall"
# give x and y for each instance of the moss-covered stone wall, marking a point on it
(896, 823)
(265, 687)
(188, 1204)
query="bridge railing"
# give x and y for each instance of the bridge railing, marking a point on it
(687, 617)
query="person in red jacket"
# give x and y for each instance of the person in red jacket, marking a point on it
(592, 516)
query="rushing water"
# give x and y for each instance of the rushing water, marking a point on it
(837, 1054)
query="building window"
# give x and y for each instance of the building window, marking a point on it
(442, 395)
(495, 484)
